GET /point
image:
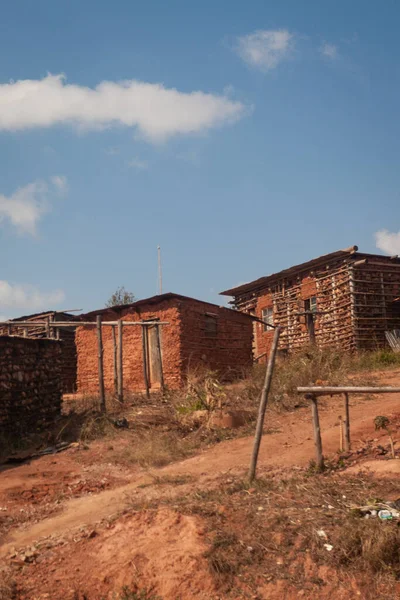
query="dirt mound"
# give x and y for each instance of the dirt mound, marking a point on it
(160, 551)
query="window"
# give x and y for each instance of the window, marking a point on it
(310, 305)
(211, 325)
(267, 315)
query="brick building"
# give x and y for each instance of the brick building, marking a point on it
(346, 298)
(198, 334)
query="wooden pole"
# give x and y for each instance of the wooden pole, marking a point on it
(145, 367)
(317, 433)
(341, 433)
(114, 339)
(160, 358)
(327, 390)
(48, 327)
(120, 379)
(347, 422)
(100, 358)
(311, 327)
(263, 404)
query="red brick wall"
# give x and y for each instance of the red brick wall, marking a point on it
(184, 342)
(133, 379)
(229, 352)
(263, 338)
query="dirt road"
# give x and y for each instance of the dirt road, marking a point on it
(287, 443)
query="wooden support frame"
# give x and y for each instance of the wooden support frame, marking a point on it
(313, 392)
(158, 341)
(319, 459)
(120, 374)
(100, 363)
(263, 404)
(145, 363)
(347, 444)
(115, 368)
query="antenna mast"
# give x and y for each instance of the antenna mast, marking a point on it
(159, 270)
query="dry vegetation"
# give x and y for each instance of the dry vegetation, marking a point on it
(272, 531)
(168, 427)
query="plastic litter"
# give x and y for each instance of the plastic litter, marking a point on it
(385, 515)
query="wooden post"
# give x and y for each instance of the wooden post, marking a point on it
(317, 433)
(263, 404)
(160, 357)
(100, 358)
(341, 433)
(120, 378)
(25, 332)
(114, 339)
(145, 367)
(57, 333)
(311, 327)
(347, 423)
(9, 329)
(48, 334)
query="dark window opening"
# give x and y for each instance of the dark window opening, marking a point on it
(211, 325)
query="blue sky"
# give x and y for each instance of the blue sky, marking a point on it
(241, 137)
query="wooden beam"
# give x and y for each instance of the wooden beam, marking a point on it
(100, 362)
(158, 342)
(347, 422)
(319, 459)
(145, 364)
(78, 323)
(263, 404)
(331, 390)
(114, 339)
(120, 375)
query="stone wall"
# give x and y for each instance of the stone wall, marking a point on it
(30, 384)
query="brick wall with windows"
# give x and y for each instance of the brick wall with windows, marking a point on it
(198, 335)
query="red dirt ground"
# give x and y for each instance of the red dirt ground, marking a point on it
(62, 533)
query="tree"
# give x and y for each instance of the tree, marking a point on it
(120, 296)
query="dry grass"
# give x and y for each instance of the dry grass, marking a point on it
(8, 587)
(152, 449)
(368, 545)
(269, 530)
(313, 365)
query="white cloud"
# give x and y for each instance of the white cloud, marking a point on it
(137, 163)
(388, 242)
(60, 182)
(156, 111)
(25, 207)
(329, 50)
(17, 296)
(265, 49)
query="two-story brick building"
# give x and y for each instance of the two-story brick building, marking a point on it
(346, 298)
